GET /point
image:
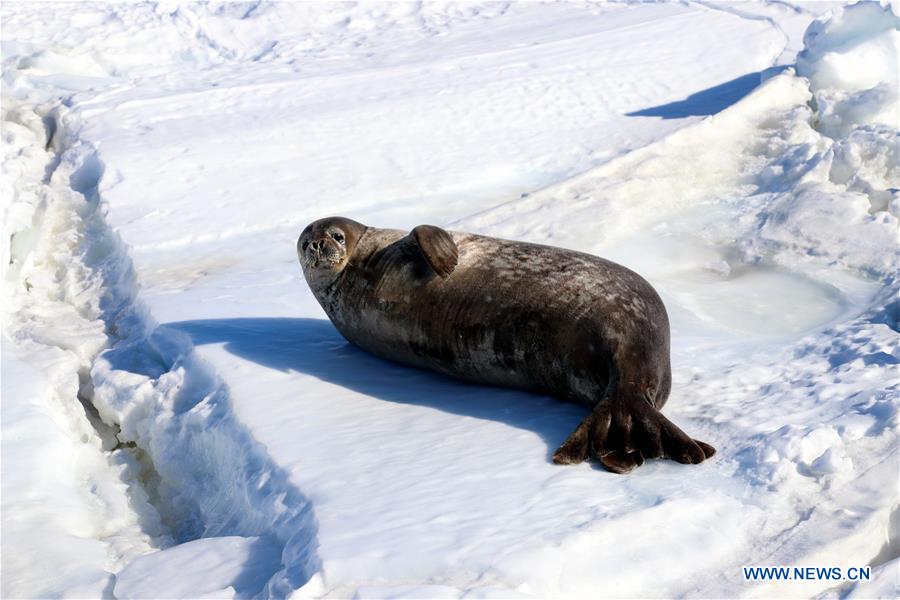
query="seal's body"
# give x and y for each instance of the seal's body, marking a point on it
(514, 314)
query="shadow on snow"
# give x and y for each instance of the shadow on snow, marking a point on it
(711, 100)
(314, 347)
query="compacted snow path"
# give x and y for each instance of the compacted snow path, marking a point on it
(242, 447)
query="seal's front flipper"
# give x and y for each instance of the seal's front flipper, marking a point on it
(437, 247)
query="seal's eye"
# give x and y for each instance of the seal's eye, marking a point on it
(338, 237)
(305, 246)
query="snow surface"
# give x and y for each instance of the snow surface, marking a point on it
(180, 419)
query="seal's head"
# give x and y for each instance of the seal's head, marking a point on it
(325, 247)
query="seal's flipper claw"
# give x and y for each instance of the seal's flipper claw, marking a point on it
(708, 450)
(680, 446)
(621, 462)
(575, 449)
(438, 248)
(570, 453)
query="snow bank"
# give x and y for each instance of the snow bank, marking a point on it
(70, 517)
(800, 196)
(851, 60)
(762, 163)
(847, 207)
(213, 478)
(66, 517)
(157, 455)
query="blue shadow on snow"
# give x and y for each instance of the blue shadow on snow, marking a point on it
(314, 347)
(711, 100)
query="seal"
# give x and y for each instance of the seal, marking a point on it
(512, 314)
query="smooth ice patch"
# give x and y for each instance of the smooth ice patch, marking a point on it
(761, 301)
(738, 299)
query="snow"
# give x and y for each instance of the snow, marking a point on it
(45, 503)
(161, 159)
(224, 567)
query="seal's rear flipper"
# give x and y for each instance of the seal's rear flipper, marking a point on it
(622, 436)
(437, 247)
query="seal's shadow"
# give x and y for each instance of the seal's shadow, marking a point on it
(315, 347)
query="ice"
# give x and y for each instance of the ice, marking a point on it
(180, 419)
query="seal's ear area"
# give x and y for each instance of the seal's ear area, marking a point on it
(438, 248)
